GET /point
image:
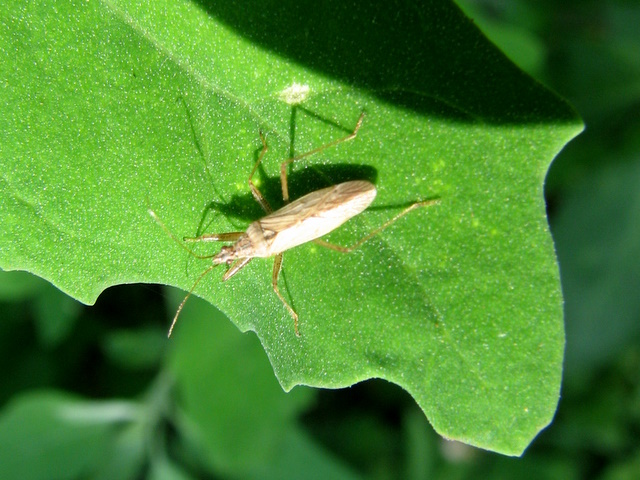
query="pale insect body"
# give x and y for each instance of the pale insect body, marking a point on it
(310, 217)
(303, 220)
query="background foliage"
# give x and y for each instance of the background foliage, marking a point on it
(114, 350)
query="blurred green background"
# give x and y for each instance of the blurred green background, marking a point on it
(113, 361)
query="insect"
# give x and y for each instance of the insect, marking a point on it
(303, 220)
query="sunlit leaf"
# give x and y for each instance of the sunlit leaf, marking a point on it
(117, 107)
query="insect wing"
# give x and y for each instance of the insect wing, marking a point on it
(316, 214)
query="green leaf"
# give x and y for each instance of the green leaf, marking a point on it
(134, 349)
(16, 286)
(117, 107)
(48, 435)
(597, 230)
(236, 408)
(55, 315)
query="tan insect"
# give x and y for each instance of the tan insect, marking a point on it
(303, 220)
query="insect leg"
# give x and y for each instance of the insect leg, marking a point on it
(235, 268)
(277, 265)
(342, 249)
(254, 190)
(286, 163)
(215, 237)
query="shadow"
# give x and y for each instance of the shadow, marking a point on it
(245, 209)
(400, 52)
(303, 177)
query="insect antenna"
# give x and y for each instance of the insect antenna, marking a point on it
(184, 300)
(155, 216)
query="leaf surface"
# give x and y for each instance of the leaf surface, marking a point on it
(116, 107)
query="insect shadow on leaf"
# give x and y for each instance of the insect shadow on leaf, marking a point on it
(297, 222)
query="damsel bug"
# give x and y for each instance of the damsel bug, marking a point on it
(303, 220)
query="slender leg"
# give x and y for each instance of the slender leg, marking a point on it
(342, 249)
(235, 268)
(277, 265)
(254, 190)
(215, 237)
(286, 163)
